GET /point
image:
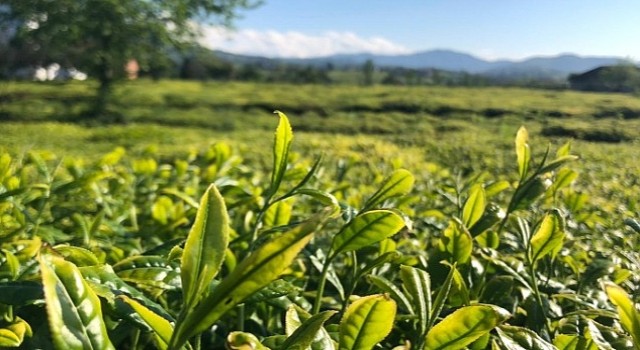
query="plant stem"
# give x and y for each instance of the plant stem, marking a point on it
(320, 291)
(536, 291)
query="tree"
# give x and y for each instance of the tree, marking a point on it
(100, 36)
(368, 69)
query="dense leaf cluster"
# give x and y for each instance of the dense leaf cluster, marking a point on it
(207, 252)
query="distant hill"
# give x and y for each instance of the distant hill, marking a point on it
(552, 67)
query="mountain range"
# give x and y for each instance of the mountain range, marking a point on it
(542, 67)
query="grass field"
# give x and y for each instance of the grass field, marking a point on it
(465, 128)
(496, 234)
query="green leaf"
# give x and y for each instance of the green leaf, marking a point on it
(310, 174)
(106, 284)
(161, 327)
(573, 342)
(528, 192)
(474, 207)
(558, 162)
(293, 319)
(75, 316)
(496, 187)
(77, 255)
(441, 297)
(548, 238)
(307, 332)
(398, 183)
(464, 326)
(457, 241)
(244, 341)
(12, 335)
(366, 322)
(366, 229)
(205, 247)
(523, 152)
(390, 288)
(627, 313)
(522, 338)
(323, 197)
(255, 272)
(149, 271)
(564, 178)
(418, 284)
(492, 215)
(20, 292)
(377, 262)
(278, 214)
(281, 146)
(594, 334)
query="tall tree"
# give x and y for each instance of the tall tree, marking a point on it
(100, 36)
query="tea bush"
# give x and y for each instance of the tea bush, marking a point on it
(208, 251)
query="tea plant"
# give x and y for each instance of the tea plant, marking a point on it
(209, 252)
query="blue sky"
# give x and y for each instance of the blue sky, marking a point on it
(492, 29)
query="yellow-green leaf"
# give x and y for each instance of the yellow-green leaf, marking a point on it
(307, 332)
(366, 229)
(464, 326)
(474, 207)
(75, 315)
(549, 236)
(523, 152)
(161, 327)
(244, 341)
(12, 335)
(522, 338)
(205, 248)
(256, 271)
(457, 241)
(278, 214)
(367, 322)
(573, 342)
(627, 313)
(281, 146)
(398, 183)
(418, 284)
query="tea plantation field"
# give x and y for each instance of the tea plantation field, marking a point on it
(374, 217)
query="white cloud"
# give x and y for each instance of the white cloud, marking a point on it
(272, 43)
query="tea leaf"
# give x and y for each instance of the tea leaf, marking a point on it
(366, 229)
(205, 247)
(75, 316)
(367, 322)
(548, 237)
(278, 214)
(573, 342)
(161, 327)
(474, 207)
(307, 332)
(556, 163)
(19, 292)
(441, 297)
(281, 146)
(253, 273)
(398, 183)
(149, 271)
(522, 338)
(629, 317)
(418, 284)
(457, 241)
(464, 326)
(12, 335)
(294, 318)
(390, 288)
(523, 152)
(244, 341)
